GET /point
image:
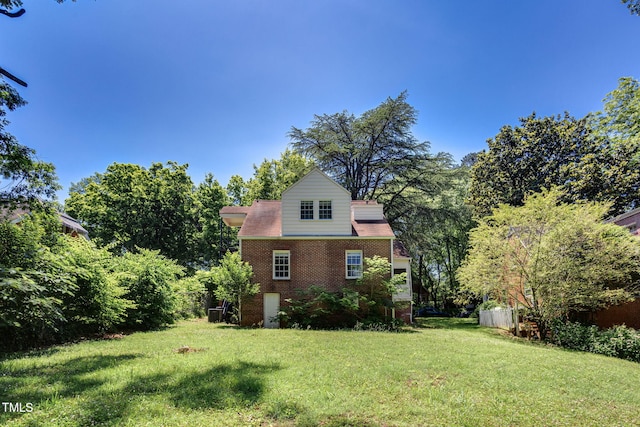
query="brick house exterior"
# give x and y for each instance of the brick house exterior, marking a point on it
(315, 235)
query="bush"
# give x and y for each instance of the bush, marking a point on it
(620, 341)
(97, 303)
(34, 281)
(190, 296)
(148, 276)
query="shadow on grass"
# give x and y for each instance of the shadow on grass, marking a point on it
(446, 323)
(44, 382)
(237, 385)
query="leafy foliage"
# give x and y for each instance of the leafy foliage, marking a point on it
(594, 158)
(233, 279)
(209, 197)
(22, 177)
(540, 153)
(363, 153)
(269, 179)
(190, 295)
(97, 303)
(551, 257)
(158, 208)
(129, 206)
(620, 341)
(367, 302)
(53, 287)
(147, 277)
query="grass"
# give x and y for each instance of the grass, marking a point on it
(444, 372)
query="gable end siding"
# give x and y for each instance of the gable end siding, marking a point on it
(316, 187)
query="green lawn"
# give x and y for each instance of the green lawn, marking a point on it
(447, 372)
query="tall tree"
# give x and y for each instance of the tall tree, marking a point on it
(434, 227)
(237, 190)
(130, 206)
(210, 197)
(547, 151)
(364, 153)
(551, 257)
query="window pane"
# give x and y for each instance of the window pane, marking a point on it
(354, 264)
(324, 209)
(306, 209)
(281, 265)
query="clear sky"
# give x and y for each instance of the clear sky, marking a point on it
(218, 84)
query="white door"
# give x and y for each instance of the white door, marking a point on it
(271, 308)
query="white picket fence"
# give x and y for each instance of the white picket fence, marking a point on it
(497, 318)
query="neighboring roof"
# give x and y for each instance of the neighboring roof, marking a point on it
(16, 215)
(13, 215)
(73, 224)
(624, 215)
(399, 251)
(264, 220)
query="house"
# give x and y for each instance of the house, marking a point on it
(70, 225)
(315, 235)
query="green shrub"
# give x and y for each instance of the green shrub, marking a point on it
(97, 303)
(34, 280)
(190, 296)
(486, 305)
(620, 341)
(148, 276)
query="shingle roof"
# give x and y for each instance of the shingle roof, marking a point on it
(264, 219)
(235, 209)
(399, 250)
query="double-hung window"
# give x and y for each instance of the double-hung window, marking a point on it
(324, 209)
(353, 264)
(306, 209)
(281, 265)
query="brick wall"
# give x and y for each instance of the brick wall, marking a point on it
(312, 262)
(628, 313)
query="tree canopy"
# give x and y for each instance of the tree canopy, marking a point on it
(131, 206)
(554, 151)
(364, 153)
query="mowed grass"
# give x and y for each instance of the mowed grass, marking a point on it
(446, 372)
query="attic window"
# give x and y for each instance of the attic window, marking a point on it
(324, 209)
(306, 209)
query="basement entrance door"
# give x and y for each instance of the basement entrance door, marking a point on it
(271, 308)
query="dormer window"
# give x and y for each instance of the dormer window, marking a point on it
(306, 209)
(324, 209)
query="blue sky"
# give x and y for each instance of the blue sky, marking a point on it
(218, 84)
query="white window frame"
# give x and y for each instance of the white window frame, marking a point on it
(348, 253)
(324, 210)
(306, 210)
(281, 254)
